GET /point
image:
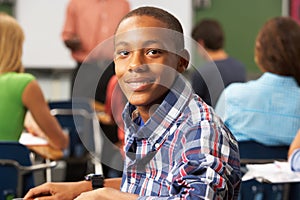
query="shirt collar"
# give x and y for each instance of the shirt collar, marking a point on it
(156, 128)
(275, 79)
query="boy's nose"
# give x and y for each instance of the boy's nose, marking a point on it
(136, 62)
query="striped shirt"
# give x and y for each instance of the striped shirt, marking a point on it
(183, 151)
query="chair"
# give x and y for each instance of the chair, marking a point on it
(255, 153)
(16, 170)
(80, 120)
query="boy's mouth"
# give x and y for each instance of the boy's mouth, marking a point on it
(139, 84)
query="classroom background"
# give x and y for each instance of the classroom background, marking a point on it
(50, 61)
(46, 57)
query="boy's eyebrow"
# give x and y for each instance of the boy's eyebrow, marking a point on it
(150, 42)
(122, 43)
(145, 44)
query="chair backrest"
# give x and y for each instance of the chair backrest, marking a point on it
(255, 153)
(62, 110)
(79, 118)
(10, 175)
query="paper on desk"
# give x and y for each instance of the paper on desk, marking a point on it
(29, 139)
(277, 172)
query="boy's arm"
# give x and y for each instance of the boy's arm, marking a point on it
(295, 144)
(113, 183)
(66, 191)
(209, 168)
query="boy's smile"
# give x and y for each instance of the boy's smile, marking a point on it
(139, 83)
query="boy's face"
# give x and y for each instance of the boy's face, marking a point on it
(144, 62)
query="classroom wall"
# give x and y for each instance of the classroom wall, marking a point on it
(241, 21)
(55, 80)
(42, 22)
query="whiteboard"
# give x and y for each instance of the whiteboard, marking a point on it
(42, 22)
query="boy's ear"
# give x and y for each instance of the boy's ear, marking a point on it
(184, 59)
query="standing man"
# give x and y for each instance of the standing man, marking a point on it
(88, 26)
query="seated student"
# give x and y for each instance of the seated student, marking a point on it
(114, 104)
(267, 110)
(20, 92)
(294, 153)
(220, 69)
(175, 145)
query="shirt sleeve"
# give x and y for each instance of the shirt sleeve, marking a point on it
(209, 170)
(206, 171)
(295, 160)
(206, 178)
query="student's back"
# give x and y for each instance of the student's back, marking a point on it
(20, 92)
(267, 110)
(12, 110)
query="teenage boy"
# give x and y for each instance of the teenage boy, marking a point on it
(175, 145)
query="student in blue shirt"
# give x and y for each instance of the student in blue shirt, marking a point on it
(267, 110)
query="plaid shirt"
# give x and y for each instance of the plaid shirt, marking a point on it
(183, 151)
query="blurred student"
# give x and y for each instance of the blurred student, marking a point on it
(294, 153)
(267, 110)
(175, 146)
(220, 69)
(112, 115)
(89, 26)
(114, 106)
(20, 91)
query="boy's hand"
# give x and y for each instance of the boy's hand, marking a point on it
(58, 191)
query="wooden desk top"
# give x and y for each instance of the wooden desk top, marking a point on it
(40, 146)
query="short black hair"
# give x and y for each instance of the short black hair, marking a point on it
(167, 18)
(211, 32)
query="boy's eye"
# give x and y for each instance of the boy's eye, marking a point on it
(123, 53)
(154, 52)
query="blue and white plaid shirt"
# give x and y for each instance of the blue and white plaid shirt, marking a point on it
(183, 151)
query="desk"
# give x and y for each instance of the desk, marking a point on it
(41, 147)
(275, 180)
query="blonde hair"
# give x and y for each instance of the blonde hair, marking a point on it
(11, 44)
